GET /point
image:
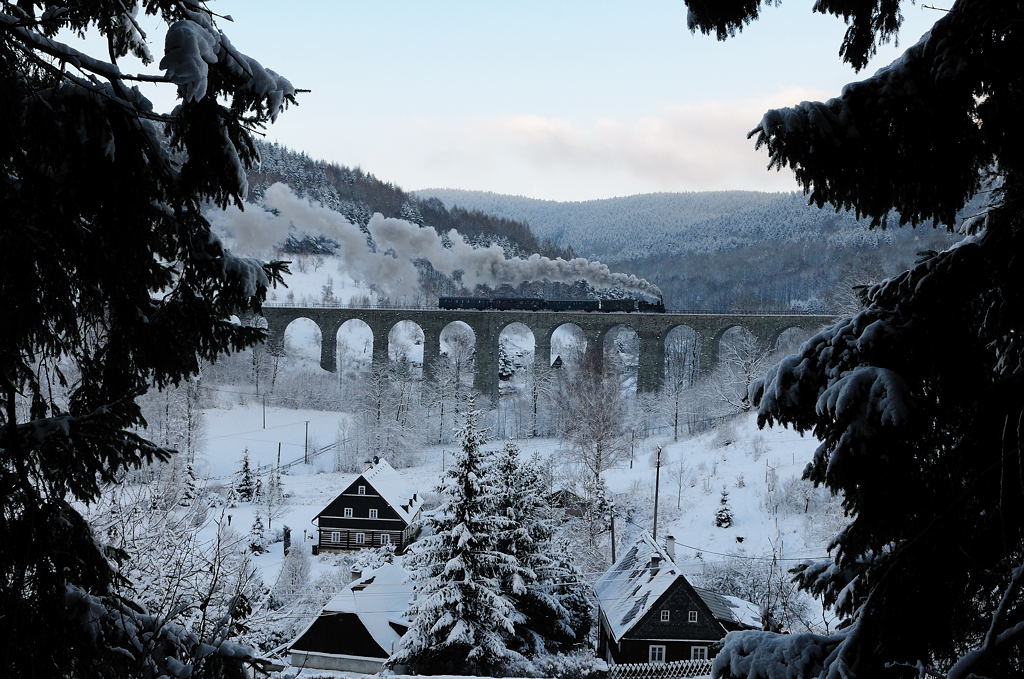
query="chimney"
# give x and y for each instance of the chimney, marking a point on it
(670, 548)
(369, 465)
(655, 564)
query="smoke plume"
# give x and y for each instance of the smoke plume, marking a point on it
(398, 244)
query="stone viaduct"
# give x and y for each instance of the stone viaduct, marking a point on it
(651, 328)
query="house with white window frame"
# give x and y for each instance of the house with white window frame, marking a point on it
(648, 612)
(377, 508)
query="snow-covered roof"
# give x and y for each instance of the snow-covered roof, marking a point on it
(380, 599)
(629, 589)
(731, 609)
(393, 487)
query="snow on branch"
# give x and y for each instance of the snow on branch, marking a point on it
(189, 49)
(766, 655)
(194, 45)
(867, 392)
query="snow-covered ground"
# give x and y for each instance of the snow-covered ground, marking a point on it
(708, 463)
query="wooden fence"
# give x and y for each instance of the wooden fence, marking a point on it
(680, 669)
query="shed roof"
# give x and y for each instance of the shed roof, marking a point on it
(731, 609)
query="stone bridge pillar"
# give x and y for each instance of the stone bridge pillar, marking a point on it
(328, 347)
(275, 339)
(380, 332)
(651, 368)
(485, 363)
(542, 347)
(594, 354)
(707, 356)
(431, 349)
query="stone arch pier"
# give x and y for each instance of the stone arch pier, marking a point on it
(651, 328)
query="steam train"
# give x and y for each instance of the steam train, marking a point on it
(627, 305)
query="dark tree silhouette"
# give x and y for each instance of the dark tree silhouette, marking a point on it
(112, 283)
(917, 399)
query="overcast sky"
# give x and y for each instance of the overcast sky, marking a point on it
(560, 99)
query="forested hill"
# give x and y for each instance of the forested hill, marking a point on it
(358, 194)
(720, 249)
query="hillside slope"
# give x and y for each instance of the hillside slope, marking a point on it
(722, 249)
(358, 195)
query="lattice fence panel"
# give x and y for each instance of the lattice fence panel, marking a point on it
(680, 669)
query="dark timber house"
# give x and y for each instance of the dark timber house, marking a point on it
(378, 508)
(650, 613)
(357, 629)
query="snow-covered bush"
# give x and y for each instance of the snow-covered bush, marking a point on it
(293, 580)
(579, 664)
(725, 434)
(758, 447)
(370, 558)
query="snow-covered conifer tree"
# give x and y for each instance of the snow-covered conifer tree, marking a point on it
(526, 535)
(245, 487)
(189, 486)
(723, 517)
(258, 535)
(460, 618)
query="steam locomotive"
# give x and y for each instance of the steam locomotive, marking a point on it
(627, 305)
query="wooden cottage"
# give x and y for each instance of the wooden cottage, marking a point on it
(378, 508)
(358, 628)
(650, 613)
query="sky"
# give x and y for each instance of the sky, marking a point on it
(555, 99)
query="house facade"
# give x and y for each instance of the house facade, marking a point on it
(648, 612)
(378, 508)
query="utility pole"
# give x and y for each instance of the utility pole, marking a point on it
(264, 411)
(305, 448)
(278, 454)
(632, 446)
(613, 538)
(657, 487)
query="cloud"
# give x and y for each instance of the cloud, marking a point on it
(691, 147)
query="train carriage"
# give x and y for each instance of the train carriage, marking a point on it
(622, 305)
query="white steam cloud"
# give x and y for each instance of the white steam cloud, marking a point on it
(390, 266)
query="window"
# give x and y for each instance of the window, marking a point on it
(698, 653)
(360, 538)
(385, 539)
(665, 616)
(362, 490)
(692, 617)
(348, 512)
(335, 536)
(373, 513)
(656, 653)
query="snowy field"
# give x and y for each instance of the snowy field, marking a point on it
(694, 472)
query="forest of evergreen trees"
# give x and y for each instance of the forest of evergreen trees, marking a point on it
(358, 194)
(720, 249)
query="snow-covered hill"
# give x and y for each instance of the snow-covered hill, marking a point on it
(722, 249)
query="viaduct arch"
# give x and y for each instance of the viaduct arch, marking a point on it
(651, 328)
